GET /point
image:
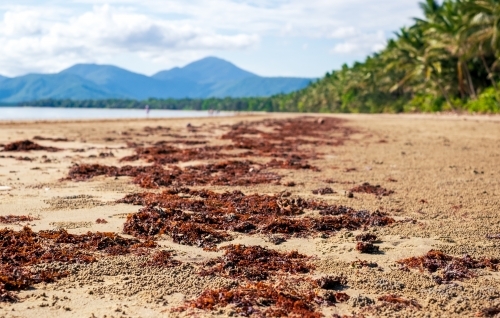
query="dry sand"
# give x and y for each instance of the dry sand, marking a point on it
(444, 170)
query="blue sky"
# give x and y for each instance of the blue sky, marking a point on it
(303, 38)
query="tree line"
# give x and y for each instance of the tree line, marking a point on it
(448, 60)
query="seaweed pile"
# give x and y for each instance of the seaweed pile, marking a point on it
(51, 139)
(261, 300)
(377, 190)
(282, 142)
(203, 218)
(27, 145)
(162, 153)
(24, 248)
(255, 263)
(13, 219)
(228, 173)
(400, 302)
(286, 136)
(446, 267)
(162, 259)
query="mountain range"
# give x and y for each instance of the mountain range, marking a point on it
(209, 77)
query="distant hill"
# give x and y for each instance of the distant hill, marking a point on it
(209, 77)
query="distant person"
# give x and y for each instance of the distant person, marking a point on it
(147, 110)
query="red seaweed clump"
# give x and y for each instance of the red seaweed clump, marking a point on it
(162, 259)
(448, 268)
(25, 248)
(182, 227)
(13, 219)
(323, 191)
(256, 263)
(260, 300)
(377, 190)
(205, 217)
(400, 302)
(27, 145)
(228, 173)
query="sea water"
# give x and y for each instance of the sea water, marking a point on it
(52, 113)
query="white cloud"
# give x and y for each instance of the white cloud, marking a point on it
(31, 42)
(48, 35)
(361, 43)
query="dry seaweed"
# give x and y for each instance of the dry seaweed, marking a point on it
(260, 300)
(367, 247)
(323, 191)
(50, 139)
(331, 282)
(400, 302)
(448, 268)
(162, 259)
(101, 221)
(366, 237)
(12, 219)
(202, 218)
(360, 264)
(24, 248)
(377, 190)
(27, 145)
(256, 263)
(181, 227)
(228, 173)
(489, 312)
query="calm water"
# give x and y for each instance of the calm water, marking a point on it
(49, 113)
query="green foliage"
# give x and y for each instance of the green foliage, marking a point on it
(487, 102)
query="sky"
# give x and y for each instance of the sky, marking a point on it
(302, 38)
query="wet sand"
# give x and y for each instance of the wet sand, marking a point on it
(444, 171)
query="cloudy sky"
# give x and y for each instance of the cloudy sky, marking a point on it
(269, 37)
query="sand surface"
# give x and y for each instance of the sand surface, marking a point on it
(444, 171)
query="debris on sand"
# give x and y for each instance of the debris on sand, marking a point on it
(366, 237)
(162, 259)
(101, 221)
(13, 219)
(331, 282)
(400, 302)
(448, 268)
(50, 139)
(162, 154)
(205, 216)
(495, 236)
(323, 191)
(489, 312)
(256, 263)
(25, 248)
(27, 145)
(181, 227)
(260, 300)
(377, 190)
(360, 264)
(367, 247)
(228, 173)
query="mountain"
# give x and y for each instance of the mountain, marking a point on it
(56, 86)
(209, 77)
(131, 85)
(207, 70)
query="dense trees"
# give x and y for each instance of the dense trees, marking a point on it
(447, 60)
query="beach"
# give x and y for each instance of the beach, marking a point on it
(415, 183)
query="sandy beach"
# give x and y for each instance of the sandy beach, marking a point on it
(393, 186)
